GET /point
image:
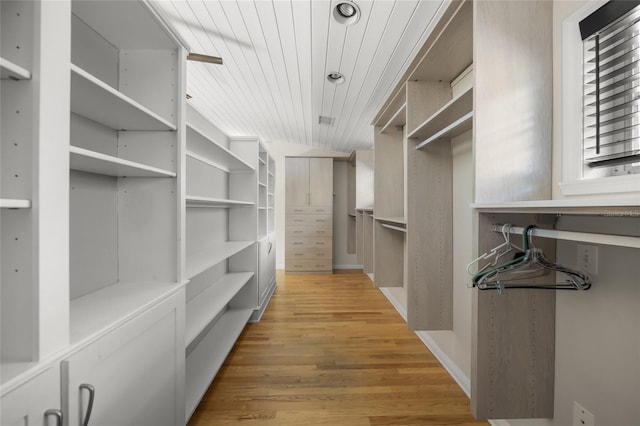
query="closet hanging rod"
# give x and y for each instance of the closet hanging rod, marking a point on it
(584, 237)
(395, 228)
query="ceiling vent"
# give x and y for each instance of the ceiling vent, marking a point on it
(323, 119)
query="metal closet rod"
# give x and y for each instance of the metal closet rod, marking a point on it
(586, 237)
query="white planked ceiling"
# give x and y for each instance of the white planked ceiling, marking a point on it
(277, 54)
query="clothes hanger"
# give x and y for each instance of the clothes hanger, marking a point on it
(532, 264)
(497, 252)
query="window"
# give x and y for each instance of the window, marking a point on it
(611, 108)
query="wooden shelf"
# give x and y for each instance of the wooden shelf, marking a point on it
(396, 220)
(205, 259)
(456, 128)
(352, 215)
(206, 306)
(205, 149)
(399, 118)
(452, 117)
(196, 201)
(205, 359)
(111, 306)
(394, 110)
(85, 160)
(449, 48)
(11, 203)
(97, 101)
(11, 71)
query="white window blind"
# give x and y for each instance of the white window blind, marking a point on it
(611, 38)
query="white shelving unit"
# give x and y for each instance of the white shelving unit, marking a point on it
(226, 219)
(125, 229)
(123, 160)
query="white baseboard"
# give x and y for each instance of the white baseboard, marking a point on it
(454, 371)
(347, 266)
(280, 266)
(499, 422)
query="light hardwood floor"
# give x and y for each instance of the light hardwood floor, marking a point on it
(331, 350)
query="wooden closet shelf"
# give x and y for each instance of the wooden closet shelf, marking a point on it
(447, 119)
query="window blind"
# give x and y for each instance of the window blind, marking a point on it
(611, 42)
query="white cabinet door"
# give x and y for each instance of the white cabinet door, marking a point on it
(136, 372)
(27, 404)
(266, 265)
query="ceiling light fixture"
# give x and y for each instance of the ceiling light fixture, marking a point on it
(346, 12)
(335, 78)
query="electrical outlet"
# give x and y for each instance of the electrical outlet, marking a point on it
(588, 258)
(581, 417)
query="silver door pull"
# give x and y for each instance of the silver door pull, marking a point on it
(55, 413)
(92, 394)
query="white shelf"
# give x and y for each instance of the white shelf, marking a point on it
(97, 101)
(270, 173)
(107, 308)
(262, 161)
(262, 208)
(397, 220)
(204, 361)
(622, 206)
(264, 185)
(204, 307)
(85, 160)
(451, 112)
(454, 129)
(205, 259)
(196, 201)
(205, 149)
(10, 203)
(9, 70)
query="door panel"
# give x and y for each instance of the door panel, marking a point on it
(297, 182)
(134, 370)
(26, 405)
(321, 181)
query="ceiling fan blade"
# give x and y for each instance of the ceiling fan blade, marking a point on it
(204, 58)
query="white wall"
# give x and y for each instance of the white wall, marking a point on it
(279, 151)
(341, 259)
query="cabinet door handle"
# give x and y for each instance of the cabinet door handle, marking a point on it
(92, 394)
(55, 413)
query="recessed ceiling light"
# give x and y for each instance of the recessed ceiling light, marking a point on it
(335, 78)
(346, 12)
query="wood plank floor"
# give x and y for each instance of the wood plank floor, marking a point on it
(331, 350)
